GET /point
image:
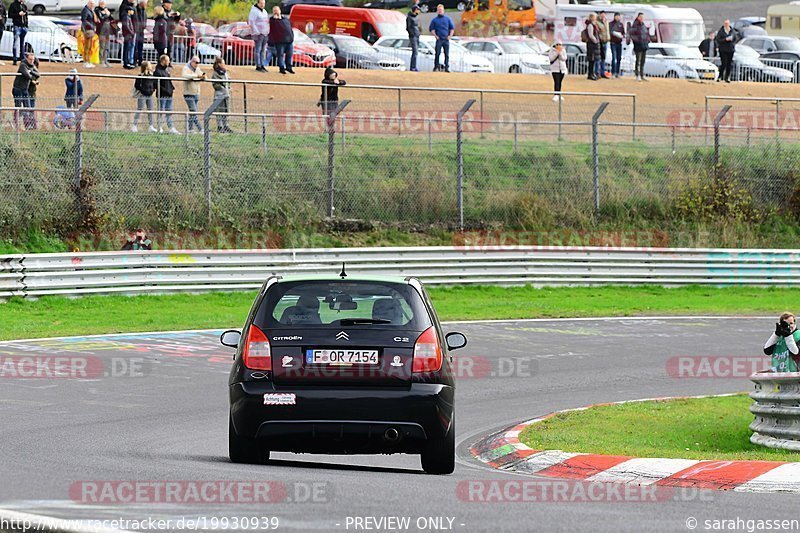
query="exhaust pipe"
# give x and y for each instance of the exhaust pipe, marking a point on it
(391, 435)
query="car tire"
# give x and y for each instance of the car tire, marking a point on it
(38, 9)
(244, 450)
(461, 6)
(672, 74)
(439, 455)
(514, 69)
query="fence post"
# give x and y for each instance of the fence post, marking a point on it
(264, 133)
(331, 126)
(460, 161)
(717, 120)
(79, 151)
(399, 111)
(673, 140)
(244, 105)
(634, 118)
(596, 155)
(430, 135)
(207, 152)
(482, 115)
(560, 114)
(515, 137)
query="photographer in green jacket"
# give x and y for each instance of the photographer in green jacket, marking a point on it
(782, 345)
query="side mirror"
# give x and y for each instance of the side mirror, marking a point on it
(455, 340)
(230, 338)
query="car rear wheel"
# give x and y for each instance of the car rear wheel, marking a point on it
(244, 450)
(38, 9)
(514, 69)
(439, 455)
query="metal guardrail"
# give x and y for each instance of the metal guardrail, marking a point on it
(777, 410)
(75, 274)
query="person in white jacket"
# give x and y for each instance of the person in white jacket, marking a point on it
(258, 20)
(558, 67)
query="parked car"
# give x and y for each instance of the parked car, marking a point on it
(386, 4)
(461, 59)
(352, 52)
(40, 7)
(677, 61)
(788, 60)
(750, 27)
(764, 44)
(238, 49)
(430, 5)
(47, 40)
(509, 55)
(747, 66)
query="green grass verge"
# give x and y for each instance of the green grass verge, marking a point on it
(52, 316)
(699, 428)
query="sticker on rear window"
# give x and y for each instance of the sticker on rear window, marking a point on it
(284, 398)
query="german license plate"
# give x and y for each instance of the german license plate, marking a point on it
(708, 75)
(342, 357)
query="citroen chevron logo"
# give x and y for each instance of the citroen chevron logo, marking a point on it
(342, 336)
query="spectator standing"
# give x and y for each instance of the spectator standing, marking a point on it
(165, 92)
(30, 119)
(605, 37)
(412, 27)
(329, 98)
(558, 68)
(180, 42)
(442, 28)
(19, 19)
(708, 47)
(143, 89)
(173, 19)
(592, 40)
(222, 92)
(73, 96)
(160, 31)
(282, 37)
(138, 241)
(191, 38)
(617, 35)
(725, 40)
(89, 29)
(25, 74)
(193, 75)
(783, 345)
(3, 18)
(103, 31)
(139, 25)
(258, 20)
(127, 15)
(640, 36)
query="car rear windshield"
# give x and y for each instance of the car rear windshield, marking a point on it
(304, 304)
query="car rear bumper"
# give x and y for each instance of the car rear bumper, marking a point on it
(343, 420)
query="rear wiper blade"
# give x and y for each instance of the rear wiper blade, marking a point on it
(355, 321)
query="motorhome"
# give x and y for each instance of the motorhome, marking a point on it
(666, 24)
(784, 19)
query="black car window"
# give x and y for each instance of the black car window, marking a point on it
(342, 302)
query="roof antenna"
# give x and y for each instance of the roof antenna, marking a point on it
(343, 274)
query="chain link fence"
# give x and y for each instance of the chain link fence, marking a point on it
(456, 166)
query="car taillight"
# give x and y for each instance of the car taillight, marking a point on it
(257, 354)
(427, 352)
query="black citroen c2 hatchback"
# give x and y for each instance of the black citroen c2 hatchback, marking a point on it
(343, 365)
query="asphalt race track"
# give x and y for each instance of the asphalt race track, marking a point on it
(162, 416)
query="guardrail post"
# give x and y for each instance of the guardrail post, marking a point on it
(207, 152)
(331, 127)
(460, 160)
(717, 120)
(596, 155)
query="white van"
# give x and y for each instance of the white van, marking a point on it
(784, 19)
(40, 7)
(666, 24)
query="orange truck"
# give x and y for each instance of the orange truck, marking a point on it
(369, 24)
(486, 18)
